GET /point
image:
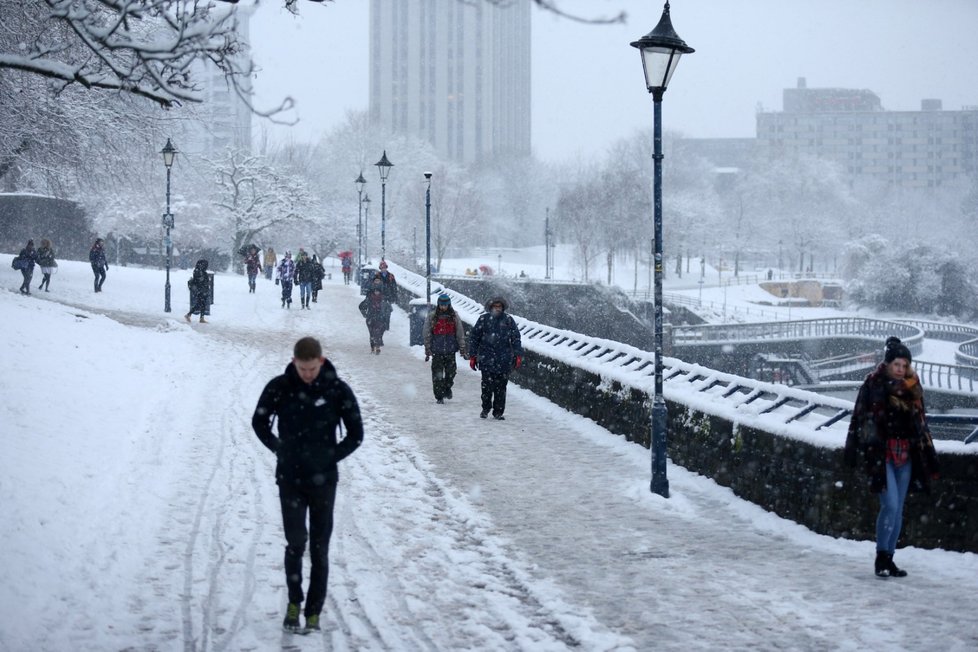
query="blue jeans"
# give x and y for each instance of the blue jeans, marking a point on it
(890, 520)
(305, 291)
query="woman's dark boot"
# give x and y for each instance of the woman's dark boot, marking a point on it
(894, 571)
(883, 562)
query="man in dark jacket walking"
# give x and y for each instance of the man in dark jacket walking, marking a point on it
(495, 348)
(310, 402)
(444, 336)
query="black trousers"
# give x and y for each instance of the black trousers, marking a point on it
(443, 370)
(494, 392)
(28, 274)
(99, 272)
(318, 503)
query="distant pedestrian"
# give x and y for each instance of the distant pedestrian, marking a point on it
(199, 285)
(346, 264)
(376, 309)
(27, 258)
(888, 431)
(45, 259)
(286, 276)
(271, 261)
(252, 267)
(444, 337)
(96, 256)
(309, 403)
(305, 274)
(496, 349)
(389, 283)
(317, 278)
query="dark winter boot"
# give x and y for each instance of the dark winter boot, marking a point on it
(894, 571)
(882, 566)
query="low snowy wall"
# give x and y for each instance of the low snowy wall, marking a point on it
(773, 445)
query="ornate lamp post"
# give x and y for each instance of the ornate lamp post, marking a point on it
(384, 166)
(169, 152)
(361, 182)
(366, 227)
(660, 49)
(427, 235)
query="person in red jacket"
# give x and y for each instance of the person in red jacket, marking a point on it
(444, 336)
(310, 403)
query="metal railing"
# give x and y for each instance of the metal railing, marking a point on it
(770, 406)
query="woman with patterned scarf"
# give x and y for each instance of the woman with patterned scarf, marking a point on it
(889, 430)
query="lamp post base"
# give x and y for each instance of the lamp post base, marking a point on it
(660, 481)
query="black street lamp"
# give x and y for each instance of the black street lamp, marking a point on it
(427, 234)
(366, 227)
(661, 49)
(384, 166)
(361, 182)
(169, 152)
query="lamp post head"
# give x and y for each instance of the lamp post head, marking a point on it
(384, 166)
(427, 175)
(661, 49)
(361, 182)
(366, 200)
(169, 152)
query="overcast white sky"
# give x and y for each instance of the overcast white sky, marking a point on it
(587, 80)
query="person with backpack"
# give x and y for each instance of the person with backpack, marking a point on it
(25, 262)
(199, 285)
(286, 275)
(45, 258)
(376, 310)
(444, 336)
(496, 349)
(96, 256)
(309, 403)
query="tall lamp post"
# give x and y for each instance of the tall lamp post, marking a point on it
(384, 166)
(361, 182)
(427, 235)
(366, 227)
(660, 49)
(169, 152)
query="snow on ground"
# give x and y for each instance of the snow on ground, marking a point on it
(140, 510)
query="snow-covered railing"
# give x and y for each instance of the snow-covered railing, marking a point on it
(940, 330)
(967, 353)
(774, 407)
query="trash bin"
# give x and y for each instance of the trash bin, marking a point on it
(210, 294)
(366, 275)
(418, 313)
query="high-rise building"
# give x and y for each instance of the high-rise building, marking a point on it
(923, 149)
(454, 73)
(223, 118)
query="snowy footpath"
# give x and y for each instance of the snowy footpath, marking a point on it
(139, 510)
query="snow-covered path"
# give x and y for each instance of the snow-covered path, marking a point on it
(160, 530)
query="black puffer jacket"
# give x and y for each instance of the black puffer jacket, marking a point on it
(308, 417)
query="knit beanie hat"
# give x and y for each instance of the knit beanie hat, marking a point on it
(894, 349)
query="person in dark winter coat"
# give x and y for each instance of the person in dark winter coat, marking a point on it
(495, 348)
(45, 258)
(317, 277)
(377, 311)
(286, 275)
(96, 256)
(889, 431)
(305, 276)
(389, 283)
(310, 403)
(27, 258)
(444, 336)
(346, 265)
(252, 267)
(199, 285)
